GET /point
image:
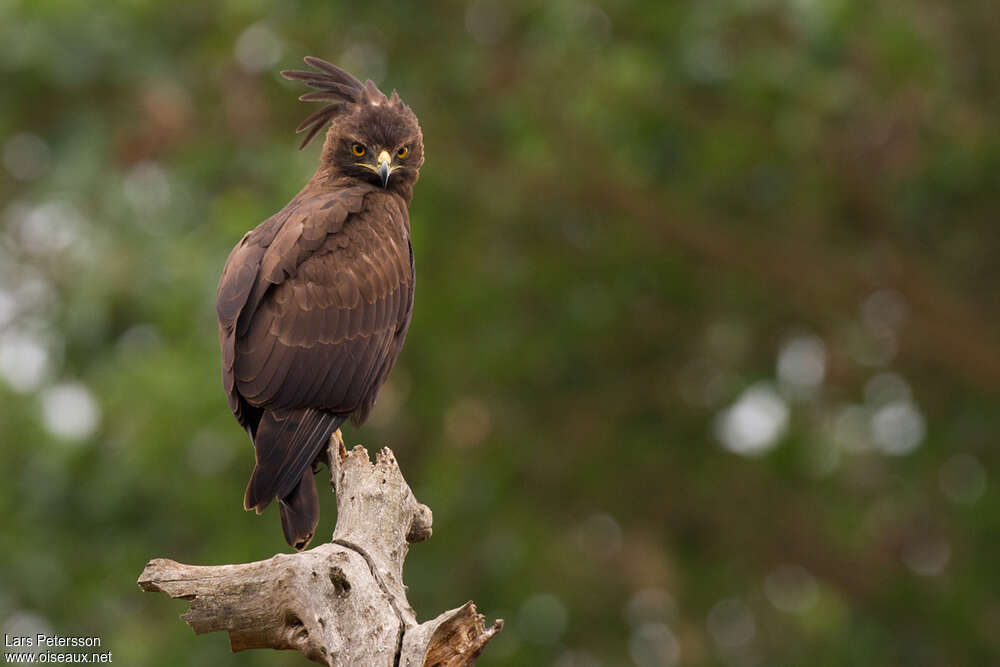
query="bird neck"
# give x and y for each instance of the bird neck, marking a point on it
(328, 176)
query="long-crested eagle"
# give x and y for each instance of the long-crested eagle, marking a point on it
(314, 302)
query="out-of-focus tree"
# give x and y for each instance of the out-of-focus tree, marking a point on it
(704, 359)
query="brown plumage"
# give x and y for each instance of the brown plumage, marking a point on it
(314, 303)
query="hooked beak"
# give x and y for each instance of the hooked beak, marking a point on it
(383, 169)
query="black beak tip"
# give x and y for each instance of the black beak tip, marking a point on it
(383, 172)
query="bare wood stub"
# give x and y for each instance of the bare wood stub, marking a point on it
(341, 603)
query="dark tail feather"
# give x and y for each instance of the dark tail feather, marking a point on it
(286, 445)
(271, 446)
(300, 512)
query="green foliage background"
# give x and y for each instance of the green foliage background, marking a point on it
(628, 214)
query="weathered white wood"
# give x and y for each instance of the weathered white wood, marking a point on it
(342, 603)
(453, 639)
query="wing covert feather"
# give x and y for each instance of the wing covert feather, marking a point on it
(266, 256)
(322, 327)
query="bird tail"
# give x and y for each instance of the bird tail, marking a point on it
(299, 512)
(287, 443)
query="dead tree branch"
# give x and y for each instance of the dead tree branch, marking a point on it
(341, 603)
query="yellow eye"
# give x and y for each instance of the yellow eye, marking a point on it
(358, 150)
(402, 152)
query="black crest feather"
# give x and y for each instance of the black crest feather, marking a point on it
(333, 85)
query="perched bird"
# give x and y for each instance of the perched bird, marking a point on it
(314, 303)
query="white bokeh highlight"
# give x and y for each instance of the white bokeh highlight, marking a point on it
(898, 427)
(754, 423)
(24, 361)
(70, 411)
(801, 365)
(23, 623)
(884, 311)
(654, 645)
(46, 229)
(147, 188)
(258, 48)
(731, 624)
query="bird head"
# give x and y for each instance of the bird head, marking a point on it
(372, 137)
